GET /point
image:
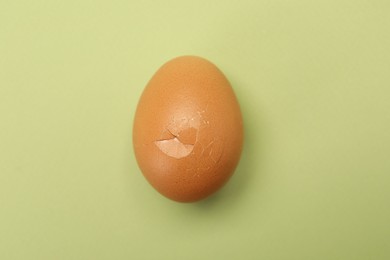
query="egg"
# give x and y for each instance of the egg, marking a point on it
(188, 129)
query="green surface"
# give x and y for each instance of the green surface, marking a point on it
(313, 80)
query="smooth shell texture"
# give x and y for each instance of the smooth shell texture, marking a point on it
(188, 129)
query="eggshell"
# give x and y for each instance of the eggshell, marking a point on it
(188, 129)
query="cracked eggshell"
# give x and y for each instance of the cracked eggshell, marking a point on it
(188, 130)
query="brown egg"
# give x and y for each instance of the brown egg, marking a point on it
(188, 130)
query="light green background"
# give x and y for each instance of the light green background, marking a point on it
(313, 80)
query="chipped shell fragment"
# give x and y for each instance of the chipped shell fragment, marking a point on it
(188, 129)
